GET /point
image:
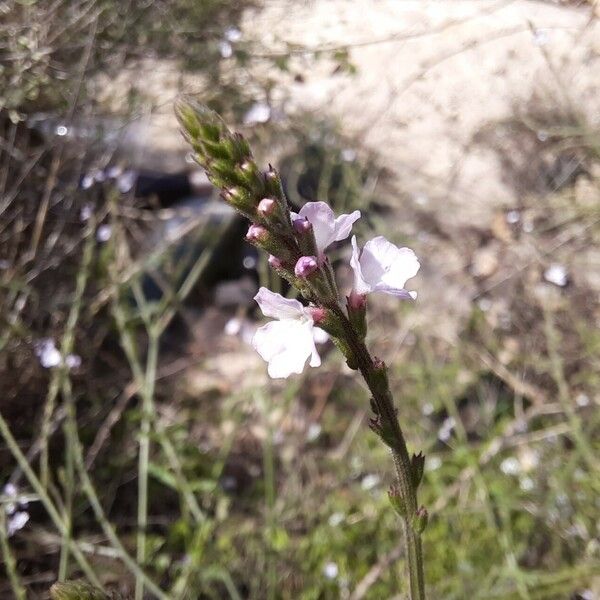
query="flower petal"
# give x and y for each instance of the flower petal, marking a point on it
(322, 219)
(276, 306)
(286, 345)
(360, 285)
(385, 263)
(343, 225)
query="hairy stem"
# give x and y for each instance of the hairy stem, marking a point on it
(384, 404)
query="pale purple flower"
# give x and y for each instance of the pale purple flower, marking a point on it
(47, 352)
(326, 226)
(17, 521)
(383, 267)
(266, 207)
(256, 233)
(287, 342)
(104, 233)
(126, 181)
(305, 266)
(233, 34)
(225, 49)
(73, 361)
(15, 511)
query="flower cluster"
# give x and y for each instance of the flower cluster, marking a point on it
(297, 245)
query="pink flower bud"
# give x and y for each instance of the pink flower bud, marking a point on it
(305, 266)
(318, 314)
(266, 207)
(302, 225)
(275, 262)
(356, 301)
(256, 233)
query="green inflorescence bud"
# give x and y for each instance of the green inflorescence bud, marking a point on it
(420, 520)
(417, 467)
(385, 431)
(396, 500)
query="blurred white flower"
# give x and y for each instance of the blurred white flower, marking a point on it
(313, 432)
(225, 49)
(17, 521)
(433, 463)
(330, 570)
(513, 216)
(348, 154)
(61, 130)
(445, 430)
(556, 274)
(526, 484)
(17, 517)
(336, 519)
(47, 352)
(260, 112)
(233, 34)
(288, 341)
(87, 181)
(10, 491)
(87, 210)
(326, 226)
(114, 171)
(510, 466)
(233, 326)
(103, 233)
(383, 267)
(427, 409)
(370, 481)
(73, 361)
(126, 181)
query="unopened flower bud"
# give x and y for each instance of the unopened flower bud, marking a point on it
(357, 301)
(318, 314)
(305, 266)
(357, 312)
(302, 225)
(396, 500)
(420, 519)
(266, 207)
(256, 233)
(275, 262)
(417, 467)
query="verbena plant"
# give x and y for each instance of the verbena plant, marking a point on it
(297, 244)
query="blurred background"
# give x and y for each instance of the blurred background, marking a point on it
(140, 437)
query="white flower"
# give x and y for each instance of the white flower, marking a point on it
(383, 267)
(17, 521)
(327, 228)
(259, 112)
(287, 342)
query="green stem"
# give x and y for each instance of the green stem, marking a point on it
(384, 402)
(144, 456)
(90, 491)
(46, 501)
(10, 564)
